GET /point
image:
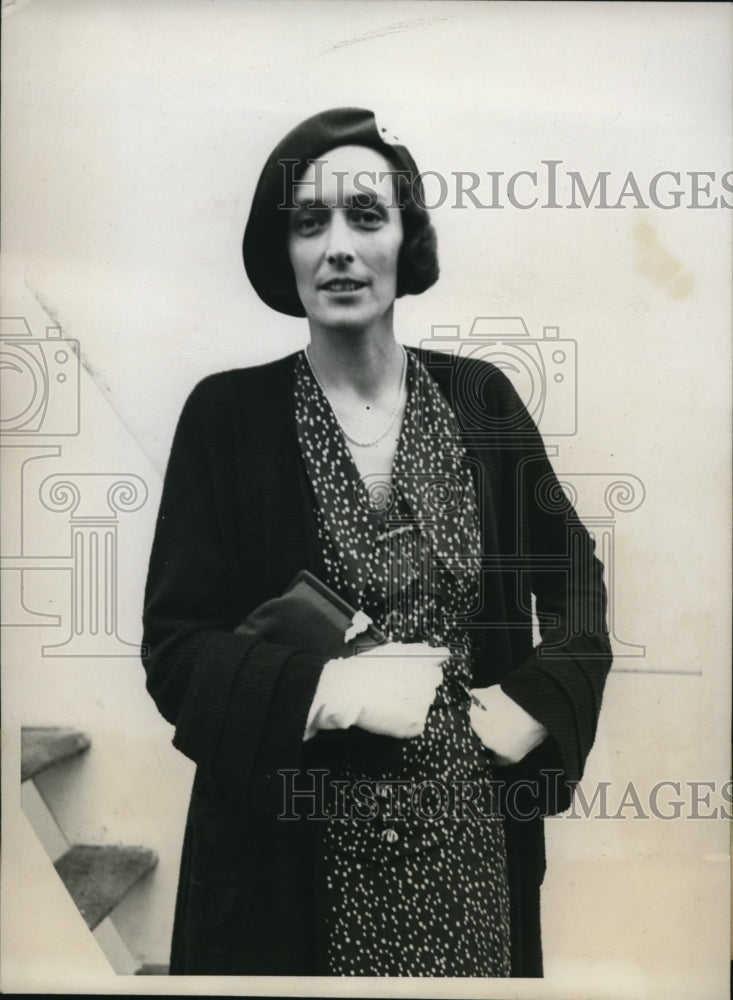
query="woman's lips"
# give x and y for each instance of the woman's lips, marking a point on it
(342, 285)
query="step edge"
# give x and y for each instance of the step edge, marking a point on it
(152, 862)
(29, 770)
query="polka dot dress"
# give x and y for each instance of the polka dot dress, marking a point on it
(413, 873)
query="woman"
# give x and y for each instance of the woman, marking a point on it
(349, 460)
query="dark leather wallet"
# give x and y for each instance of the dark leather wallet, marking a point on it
(314, 618)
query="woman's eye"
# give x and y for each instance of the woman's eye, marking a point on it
(367, 218)
(306, 225)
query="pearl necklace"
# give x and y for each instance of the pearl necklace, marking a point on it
(380, 437)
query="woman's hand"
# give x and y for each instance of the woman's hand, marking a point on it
(503, 726)
(386, 690)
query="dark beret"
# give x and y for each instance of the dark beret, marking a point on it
(264, 233)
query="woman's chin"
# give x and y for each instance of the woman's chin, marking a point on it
(350, 317)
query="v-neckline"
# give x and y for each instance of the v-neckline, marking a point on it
(353, 511)
(398, 459)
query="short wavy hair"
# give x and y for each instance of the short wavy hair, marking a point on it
(265, 244)
(417, 263)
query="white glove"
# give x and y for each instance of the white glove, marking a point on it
(503, 726)
(386, 690)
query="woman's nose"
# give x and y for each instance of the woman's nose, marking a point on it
(339, 249)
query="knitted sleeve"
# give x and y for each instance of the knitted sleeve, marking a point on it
(561, 683)
(239, 705)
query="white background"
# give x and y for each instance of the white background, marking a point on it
(133, 135)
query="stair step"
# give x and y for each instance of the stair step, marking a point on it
(41, 747)
(98, 876)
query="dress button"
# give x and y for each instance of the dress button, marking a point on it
(390, 835)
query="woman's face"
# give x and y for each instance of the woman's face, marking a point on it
(344, 239)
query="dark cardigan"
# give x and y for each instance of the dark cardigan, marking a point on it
(236, 523)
